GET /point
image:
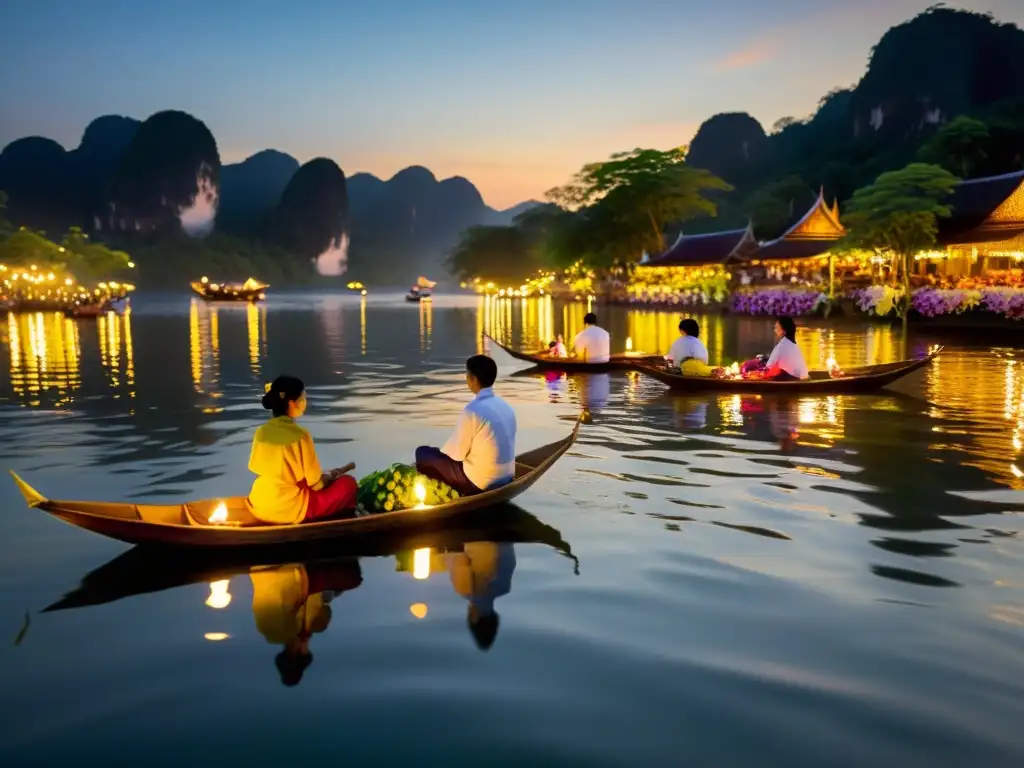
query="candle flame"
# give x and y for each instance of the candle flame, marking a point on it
(421, 563)
(629, 343)
(220, 514)
(219, 597)
(421, 493)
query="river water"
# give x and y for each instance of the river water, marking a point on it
(702, 580)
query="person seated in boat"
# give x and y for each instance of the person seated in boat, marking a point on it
(290, 486)
(481, 454)
(291, 603)
(556, 348)
(592, 344)
(688, 352)
(786, 362)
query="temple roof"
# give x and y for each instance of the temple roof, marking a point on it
(704, 250)
(985, 210)
(813, 235)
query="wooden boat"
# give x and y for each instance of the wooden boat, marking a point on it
(542, 361)
(863, 379)
(422, 290)
(189, 525)
(250, 290)
(143, 570)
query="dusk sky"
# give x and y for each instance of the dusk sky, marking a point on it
(513, 96)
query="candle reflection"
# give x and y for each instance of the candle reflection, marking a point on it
(44, 352)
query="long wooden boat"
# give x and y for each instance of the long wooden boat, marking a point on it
(863, 379)
(188, 524)
(542, 361)
(143, 570)
(250, 290)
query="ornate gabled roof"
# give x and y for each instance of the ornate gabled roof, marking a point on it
(819, 223)
(704, 250)
(813, 235)
(985, 210)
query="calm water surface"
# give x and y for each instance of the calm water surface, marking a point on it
(709, 580)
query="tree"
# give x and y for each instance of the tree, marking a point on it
(899, 213)
(783, 123)
(501, 254)
(634, 195)
(959, 146)
(90, 261)
(776, 205)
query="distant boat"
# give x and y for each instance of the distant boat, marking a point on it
(250, 290)
(421, 291)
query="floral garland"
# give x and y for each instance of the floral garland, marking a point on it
(788, 302)
(881, 300)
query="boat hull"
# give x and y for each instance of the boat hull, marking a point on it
(542, 362)
(183, 525)
(864, 379)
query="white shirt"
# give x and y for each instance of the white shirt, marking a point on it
(558, 350)
(593, 344)
(485, 441)
(688, 346)
(789, 358)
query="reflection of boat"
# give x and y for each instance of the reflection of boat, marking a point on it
(543, 361)
(421, 291)
(863, 379)
(250, 290)
(143, 570)
(189, 524)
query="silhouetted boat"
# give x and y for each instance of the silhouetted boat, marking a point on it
(189, 524)
(250, 290)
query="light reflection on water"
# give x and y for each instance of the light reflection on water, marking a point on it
(788, 571)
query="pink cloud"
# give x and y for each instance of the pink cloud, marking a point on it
(757, 52)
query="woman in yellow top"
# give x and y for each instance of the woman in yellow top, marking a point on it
(290, 487)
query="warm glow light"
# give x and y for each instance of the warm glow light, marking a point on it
(420, 563)
(204, 279)
(220, 597)
(131, 265)
(421, 494)
(831, 364)
(629, 344)
(419, 610)
(220, 514)
(363, 292)
(216, 637)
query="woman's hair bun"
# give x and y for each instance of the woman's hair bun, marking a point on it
(267, 401)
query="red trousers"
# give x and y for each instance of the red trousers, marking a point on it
(336, 497)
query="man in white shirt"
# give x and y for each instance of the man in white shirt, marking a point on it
(481, 454)
(593, 344)
(688, 345)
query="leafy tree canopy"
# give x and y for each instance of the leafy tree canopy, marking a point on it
(959, 146)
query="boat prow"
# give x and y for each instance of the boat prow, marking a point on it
(32, 497)
(190, 524)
